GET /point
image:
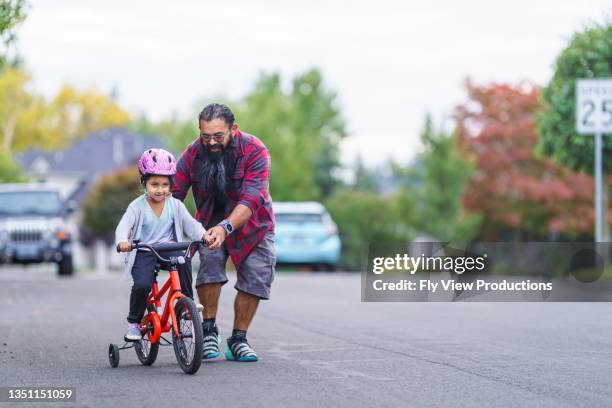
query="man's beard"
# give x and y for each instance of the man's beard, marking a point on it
(215, 169)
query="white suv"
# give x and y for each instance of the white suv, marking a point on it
(33, 227)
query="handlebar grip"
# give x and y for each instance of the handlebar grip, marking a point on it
(132, 247)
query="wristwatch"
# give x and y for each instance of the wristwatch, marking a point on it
(227, 226)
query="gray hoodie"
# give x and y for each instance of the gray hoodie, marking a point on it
(130, 226)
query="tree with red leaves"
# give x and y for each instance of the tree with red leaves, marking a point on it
(512, 187)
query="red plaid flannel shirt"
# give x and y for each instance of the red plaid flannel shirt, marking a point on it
(250, 186)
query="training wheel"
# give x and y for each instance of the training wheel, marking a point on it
(113, 355)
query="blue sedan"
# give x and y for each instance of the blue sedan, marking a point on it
(306, 235)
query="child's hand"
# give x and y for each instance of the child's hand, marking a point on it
(125, 246)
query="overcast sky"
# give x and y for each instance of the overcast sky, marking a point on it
(391, 62)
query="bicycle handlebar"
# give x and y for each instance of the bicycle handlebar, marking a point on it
(167, 246)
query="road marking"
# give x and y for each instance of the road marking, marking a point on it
(331, 366)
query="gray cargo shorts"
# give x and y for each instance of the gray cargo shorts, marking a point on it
(255, 274)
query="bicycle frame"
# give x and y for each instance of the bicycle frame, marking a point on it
(173, 287)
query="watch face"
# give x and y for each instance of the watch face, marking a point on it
(229, 227)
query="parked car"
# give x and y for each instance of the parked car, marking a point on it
(33, 226)
(306, 235)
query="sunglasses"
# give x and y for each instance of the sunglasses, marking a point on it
(218, 137)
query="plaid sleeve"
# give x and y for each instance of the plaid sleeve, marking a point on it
(256, 180)
(182, 179)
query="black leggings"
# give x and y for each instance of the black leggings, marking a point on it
(143, 274)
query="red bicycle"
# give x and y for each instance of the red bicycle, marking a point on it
(180, 314)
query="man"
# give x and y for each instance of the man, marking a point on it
(228, 171)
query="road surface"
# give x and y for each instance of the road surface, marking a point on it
(319, 346)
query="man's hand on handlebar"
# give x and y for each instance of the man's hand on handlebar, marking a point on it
(214, 237)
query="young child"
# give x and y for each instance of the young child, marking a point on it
(154, 217)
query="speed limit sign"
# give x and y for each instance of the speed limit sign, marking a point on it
(594, 106)
(594, 117)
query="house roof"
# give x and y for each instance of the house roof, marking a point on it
(90, 157)
(99, 152)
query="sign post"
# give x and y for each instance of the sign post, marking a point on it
(594, 116)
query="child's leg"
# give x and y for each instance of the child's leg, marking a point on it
(186, 279)
(143, 274)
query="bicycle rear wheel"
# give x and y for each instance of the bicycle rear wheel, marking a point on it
(145, 350)
(190, 340)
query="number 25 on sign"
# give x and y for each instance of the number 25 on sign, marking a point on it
(594, 106)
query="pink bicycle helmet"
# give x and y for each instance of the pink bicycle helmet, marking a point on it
(157, 162)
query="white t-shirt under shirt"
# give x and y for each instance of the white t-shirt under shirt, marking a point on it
(158, 230)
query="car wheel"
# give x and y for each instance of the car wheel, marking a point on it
(330, 267)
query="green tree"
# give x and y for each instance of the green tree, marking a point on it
(108, 200)
(433, 186)
(12, 12)
(318, 127)
(588, 55)
(10, 172)
(365, 178)
(365, 218)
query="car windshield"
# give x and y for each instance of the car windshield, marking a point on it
(297, 218)
(30, 202)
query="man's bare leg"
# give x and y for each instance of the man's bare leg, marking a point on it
(245, 306)
(209, 297)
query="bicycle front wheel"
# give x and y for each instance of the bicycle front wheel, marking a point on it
(190, 340)
(145, 350)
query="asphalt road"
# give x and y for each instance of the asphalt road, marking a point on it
(318, 346)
